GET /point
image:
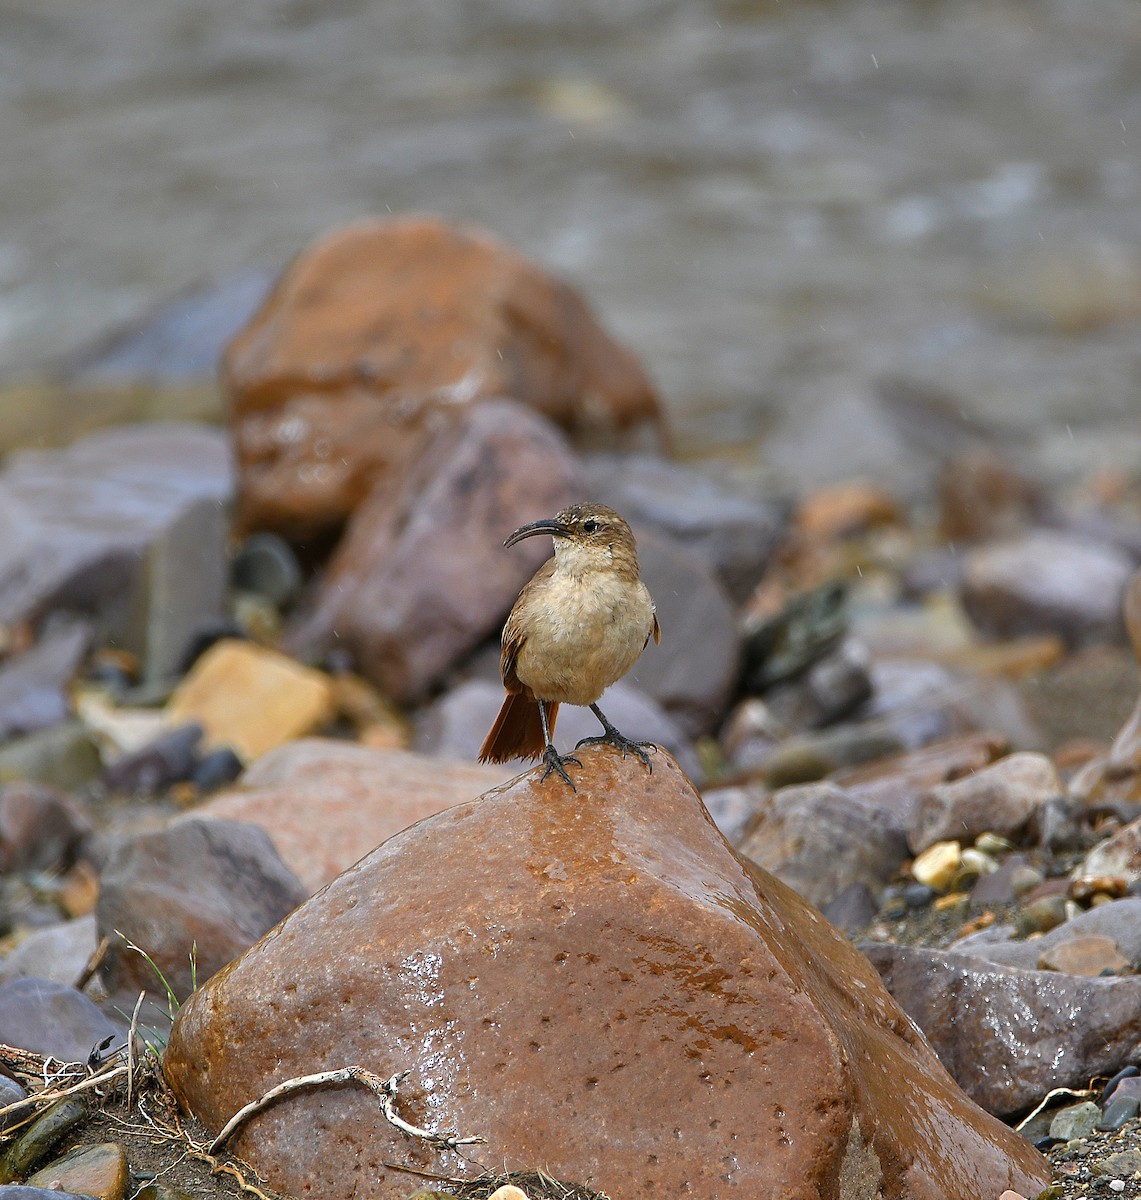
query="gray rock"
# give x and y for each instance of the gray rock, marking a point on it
(40, 828)
(820, 840)
(11, 1093)
(33, 685)
(960, 1001)
(1047, 582)
(126, 526)
(53, 1018)
(1119, 921)
(693, 673)
(733, 809)
(853, 910)
(64, 756)
(454, 726)
(828, 691)
(1001, 798)
(1075, 1121)
(182, 339)
(58, 953)
(733, 536)
(421, 575)
(1118, 1111)
(152, 768)
(216, 886)
(267, 566)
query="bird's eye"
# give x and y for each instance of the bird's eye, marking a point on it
(590, 526)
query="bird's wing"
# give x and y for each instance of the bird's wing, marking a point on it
(655, 632)
(513, 635)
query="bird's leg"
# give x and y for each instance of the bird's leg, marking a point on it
(555, 762)
(613, 738)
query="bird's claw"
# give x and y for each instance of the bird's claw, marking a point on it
(557, 763)
(624, 744)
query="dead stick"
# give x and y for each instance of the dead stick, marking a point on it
(62, 1093)
(383, 1089)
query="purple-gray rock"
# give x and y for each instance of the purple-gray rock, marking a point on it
(732, 535)
(853, 910)
(127, 526)
(58, 953)
(152, 768)
(1001, 798)
(53, 1018)
(693, 673)
(182, 339)
(1007, 1035)
(40, 828)
(213, 885)
(820, 840)
(421, 575)
(734, 809)
(33, 685)
(1047, 582)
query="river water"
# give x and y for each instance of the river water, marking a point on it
(795, 212)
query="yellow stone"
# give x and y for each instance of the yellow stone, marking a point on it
(99, 1171)
(938, 865)
(251, 698)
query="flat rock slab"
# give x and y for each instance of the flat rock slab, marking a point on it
(128, 526)
(597, 984)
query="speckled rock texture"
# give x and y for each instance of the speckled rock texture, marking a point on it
(594, 982)
(379, 330)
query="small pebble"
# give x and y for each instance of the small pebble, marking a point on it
(1025, 879)
(1117, 1185)
(1040, 916)
(215, 769)
(918, 895)
(937, 865)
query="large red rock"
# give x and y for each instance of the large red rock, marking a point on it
(594, 982)
(421, 576)
(379, 329)
(326, 803)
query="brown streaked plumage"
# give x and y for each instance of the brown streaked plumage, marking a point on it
(579, 625)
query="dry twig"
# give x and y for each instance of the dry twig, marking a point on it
(383, 1089)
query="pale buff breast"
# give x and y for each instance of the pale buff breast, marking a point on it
(590, 637)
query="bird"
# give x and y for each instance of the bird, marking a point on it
(579, 624)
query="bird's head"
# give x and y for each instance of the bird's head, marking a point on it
(587, 537)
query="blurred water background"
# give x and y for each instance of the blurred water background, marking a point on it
(849, 233)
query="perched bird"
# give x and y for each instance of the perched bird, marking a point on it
(580, 624)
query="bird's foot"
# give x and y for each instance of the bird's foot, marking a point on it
(557, 763)
(627, 745)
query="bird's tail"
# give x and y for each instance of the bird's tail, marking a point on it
(518, 730)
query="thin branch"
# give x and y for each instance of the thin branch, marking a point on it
(383, 1089)
(1084, 1093)
(84, 1085)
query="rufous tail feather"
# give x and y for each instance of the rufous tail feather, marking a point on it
(518, 730)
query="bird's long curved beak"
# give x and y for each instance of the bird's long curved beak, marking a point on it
(547, 525)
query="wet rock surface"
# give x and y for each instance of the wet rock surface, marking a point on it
(941, 991)
(561, 902)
